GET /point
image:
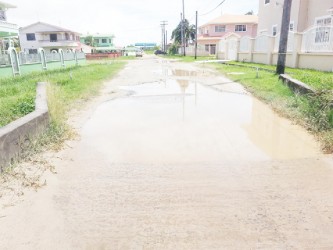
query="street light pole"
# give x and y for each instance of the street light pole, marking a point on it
(183, 26)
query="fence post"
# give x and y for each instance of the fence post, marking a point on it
(297, 49)
(252, 41)
(62, 60)
(14, 61)
(75, 57)
(42, 58)
(270, 50)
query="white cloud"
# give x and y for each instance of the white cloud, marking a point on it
(130, 21)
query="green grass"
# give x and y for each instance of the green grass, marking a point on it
(17, 94)
(318, 80)
(314, 112)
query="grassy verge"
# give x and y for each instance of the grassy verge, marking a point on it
(66, 88)
(314, 112)
(316, 79)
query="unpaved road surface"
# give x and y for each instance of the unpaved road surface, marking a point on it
(182, 159)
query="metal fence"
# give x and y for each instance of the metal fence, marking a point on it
(29, 58)
(4, 60)
(318, 39)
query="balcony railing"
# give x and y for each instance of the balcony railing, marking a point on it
(8, 25)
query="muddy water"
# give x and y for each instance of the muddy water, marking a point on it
(187, 160)
(180, 120)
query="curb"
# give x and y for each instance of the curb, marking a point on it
(15, 136)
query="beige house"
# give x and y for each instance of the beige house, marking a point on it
(304, 14)
(211, 33)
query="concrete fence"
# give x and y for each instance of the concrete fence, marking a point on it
(13, 63)
(17, 135)
(312, 49)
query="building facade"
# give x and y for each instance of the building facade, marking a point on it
(211, 33)
(304, 14)
(100, 43)
(49, 37)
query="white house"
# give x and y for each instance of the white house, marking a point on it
(47, 36)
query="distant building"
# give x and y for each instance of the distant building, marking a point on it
(49, 37)
(100, 43)
(146, 46)
(7, 30)
(211, 33)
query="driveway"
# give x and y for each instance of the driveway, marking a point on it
(178, 158)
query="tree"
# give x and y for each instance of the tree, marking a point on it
(250, 13)
(89, 40)
(189, 32)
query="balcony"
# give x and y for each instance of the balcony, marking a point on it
(8, 29)
(58, 43)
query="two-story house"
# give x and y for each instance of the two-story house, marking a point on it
(47, 36)
(304, 14)
(100, 42)
(7, 30)
(211, 33)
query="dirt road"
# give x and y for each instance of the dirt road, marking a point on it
(182, 159)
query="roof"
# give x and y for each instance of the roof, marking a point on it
(50, 25)
(231, 19)
(97, 35)
(6, 5)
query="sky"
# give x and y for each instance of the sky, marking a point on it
(130, 21)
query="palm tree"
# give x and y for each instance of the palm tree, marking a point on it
(189, 32)
(89, 40)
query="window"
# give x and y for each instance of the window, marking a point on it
(32, 51)
(240, 28)
(31, 37)
(323, 30)
(66, 36)
(291, 26)
(274, 30)
(207, 47)
(267, 1)
(110, 41)
(53, 38)
(104, 40)
(220, 28)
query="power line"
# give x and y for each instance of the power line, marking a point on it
(214, 8)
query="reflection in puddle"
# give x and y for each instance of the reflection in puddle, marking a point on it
(182, 121)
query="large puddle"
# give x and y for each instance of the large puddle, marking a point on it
(184, 121)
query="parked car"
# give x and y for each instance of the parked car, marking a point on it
(139, 53)
(159, 52)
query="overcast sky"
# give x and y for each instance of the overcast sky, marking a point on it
(129, 20)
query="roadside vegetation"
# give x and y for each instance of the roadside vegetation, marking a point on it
(67, 88)
(188, 58)
(313, 111)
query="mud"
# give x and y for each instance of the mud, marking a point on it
(174, 156)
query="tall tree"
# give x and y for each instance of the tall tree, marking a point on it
(189, 32)
(281, 63)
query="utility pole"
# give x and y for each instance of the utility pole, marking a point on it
(182, 32)
(184, 35)
(281, 63)
(166, 41)
(163, 24)
(196, 35)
